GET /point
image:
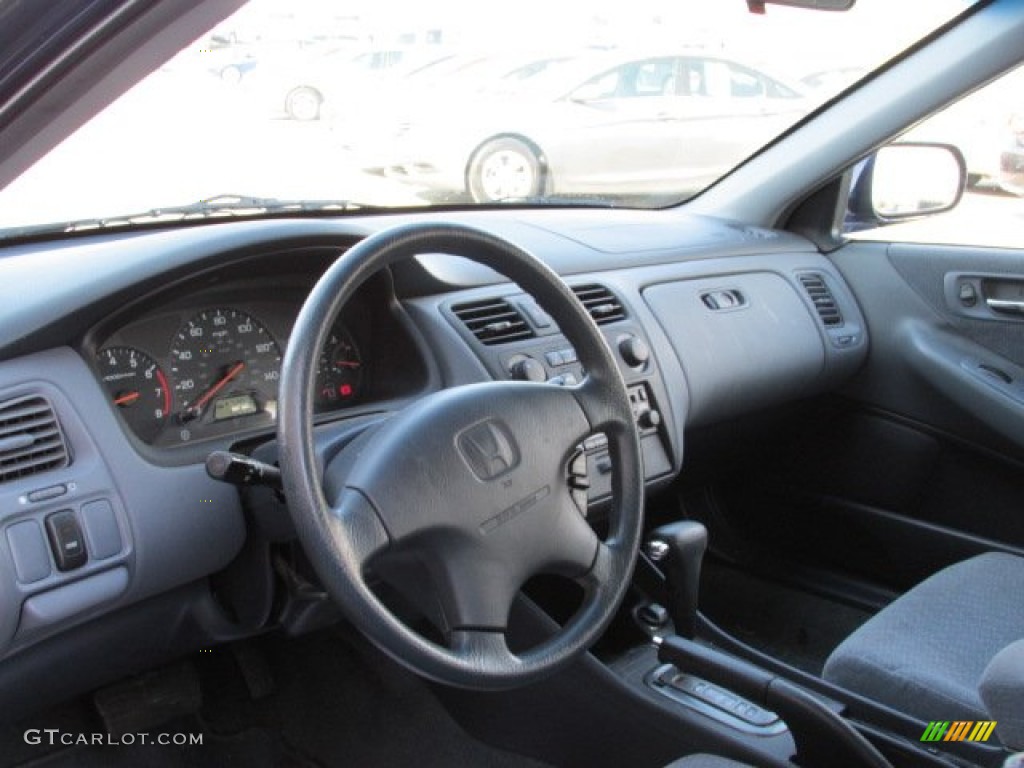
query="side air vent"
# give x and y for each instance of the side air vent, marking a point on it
(602, 304)
(823, 299)
(31, 440)
(493, 321)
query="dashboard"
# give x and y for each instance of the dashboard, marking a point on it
(203, 360)
(145, 351)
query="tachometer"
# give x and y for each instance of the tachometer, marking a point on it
(225, 365)
(138, 389)
(339, 371)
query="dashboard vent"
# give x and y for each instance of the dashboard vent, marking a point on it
(823, 299)
(493, 321)
(31, 440)
(601, 303)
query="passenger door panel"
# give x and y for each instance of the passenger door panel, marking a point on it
(946, 361)
(917, 463)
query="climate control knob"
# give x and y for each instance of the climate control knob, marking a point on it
(634, 351)
(649, 419)
(525, 368)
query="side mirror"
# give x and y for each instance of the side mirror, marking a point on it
(905, 181)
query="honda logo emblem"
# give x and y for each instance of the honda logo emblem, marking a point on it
(489, 449)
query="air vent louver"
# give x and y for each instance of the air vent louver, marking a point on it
(601, 303)
(31, 440)
(823, 299)
(493, 321)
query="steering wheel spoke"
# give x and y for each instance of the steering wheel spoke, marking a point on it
(567, 545)
(356, 527)
(483, 648)
(600, 571)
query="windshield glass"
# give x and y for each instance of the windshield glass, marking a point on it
(335, 104)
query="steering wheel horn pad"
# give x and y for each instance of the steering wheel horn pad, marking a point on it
(471, 479)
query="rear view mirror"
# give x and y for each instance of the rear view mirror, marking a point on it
(757, 6)
(904, 181)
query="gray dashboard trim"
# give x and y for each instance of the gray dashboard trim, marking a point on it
(178, 524)
(697, 403)
(694, 398)
(87, 277)
(50, 608)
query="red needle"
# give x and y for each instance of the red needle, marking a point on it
(234, 371)
(349, 363)
(127, 398)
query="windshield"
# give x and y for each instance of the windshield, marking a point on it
(338, 104)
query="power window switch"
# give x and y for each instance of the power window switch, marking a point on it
(66, 540)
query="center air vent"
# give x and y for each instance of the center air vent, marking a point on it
(493, 321)
(823, 299)
(601, 303)
(31, 440)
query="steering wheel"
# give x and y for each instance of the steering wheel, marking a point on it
(471, 481)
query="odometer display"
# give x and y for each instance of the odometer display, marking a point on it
(138, 389)
(225, 366)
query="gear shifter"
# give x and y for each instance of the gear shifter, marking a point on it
(678, 549)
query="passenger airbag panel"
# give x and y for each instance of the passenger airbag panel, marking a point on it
(764, 351)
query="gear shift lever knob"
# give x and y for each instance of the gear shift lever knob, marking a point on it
(678, 550)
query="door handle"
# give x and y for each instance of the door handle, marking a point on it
(1005, 306)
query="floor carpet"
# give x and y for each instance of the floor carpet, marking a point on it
(328, 699)
(792, 625)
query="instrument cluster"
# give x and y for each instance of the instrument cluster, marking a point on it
(192, 373)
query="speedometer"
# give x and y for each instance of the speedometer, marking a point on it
(225, 365)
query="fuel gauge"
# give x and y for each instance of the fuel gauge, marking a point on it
(340, 370)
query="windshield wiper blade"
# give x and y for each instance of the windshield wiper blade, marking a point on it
(230, 204)
(566, 201)
(218, 206)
